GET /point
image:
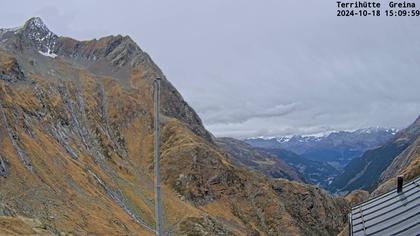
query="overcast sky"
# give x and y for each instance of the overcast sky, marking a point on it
(253, 68)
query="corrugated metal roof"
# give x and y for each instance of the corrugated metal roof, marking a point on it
(389, 214)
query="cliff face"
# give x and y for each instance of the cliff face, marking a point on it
(76, 137)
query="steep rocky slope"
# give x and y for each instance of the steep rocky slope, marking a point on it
(243, 154)
(76, 137)
(365, 172)
(406, 164)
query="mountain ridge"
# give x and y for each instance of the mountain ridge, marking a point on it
(285, 138)
(336, 148)
(106, 56)
(77, 152)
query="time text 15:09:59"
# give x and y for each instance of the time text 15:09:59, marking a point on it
(402, 12)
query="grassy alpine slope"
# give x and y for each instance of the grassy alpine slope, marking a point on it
(76, 134)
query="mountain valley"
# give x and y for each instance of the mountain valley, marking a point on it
(377, 164)
(76, 134)
(76, 156)
(337, 148)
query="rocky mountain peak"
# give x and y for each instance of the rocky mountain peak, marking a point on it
(77, 144)
(35, 24)
(36, 34)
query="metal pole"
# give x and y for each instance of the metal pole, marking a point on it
(158, 213)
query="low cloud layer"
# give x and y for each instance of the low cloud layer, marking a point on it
(244, 112)
(261, 68)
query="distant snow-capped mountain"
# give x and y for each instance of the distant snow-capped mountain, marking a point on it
(337, 148)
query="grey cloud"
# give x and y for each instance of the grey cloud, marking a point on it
(269, 67)
(244, 112)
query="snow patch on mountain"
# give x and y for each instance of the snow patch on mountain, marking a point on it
(48, 54)
(320, 136)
